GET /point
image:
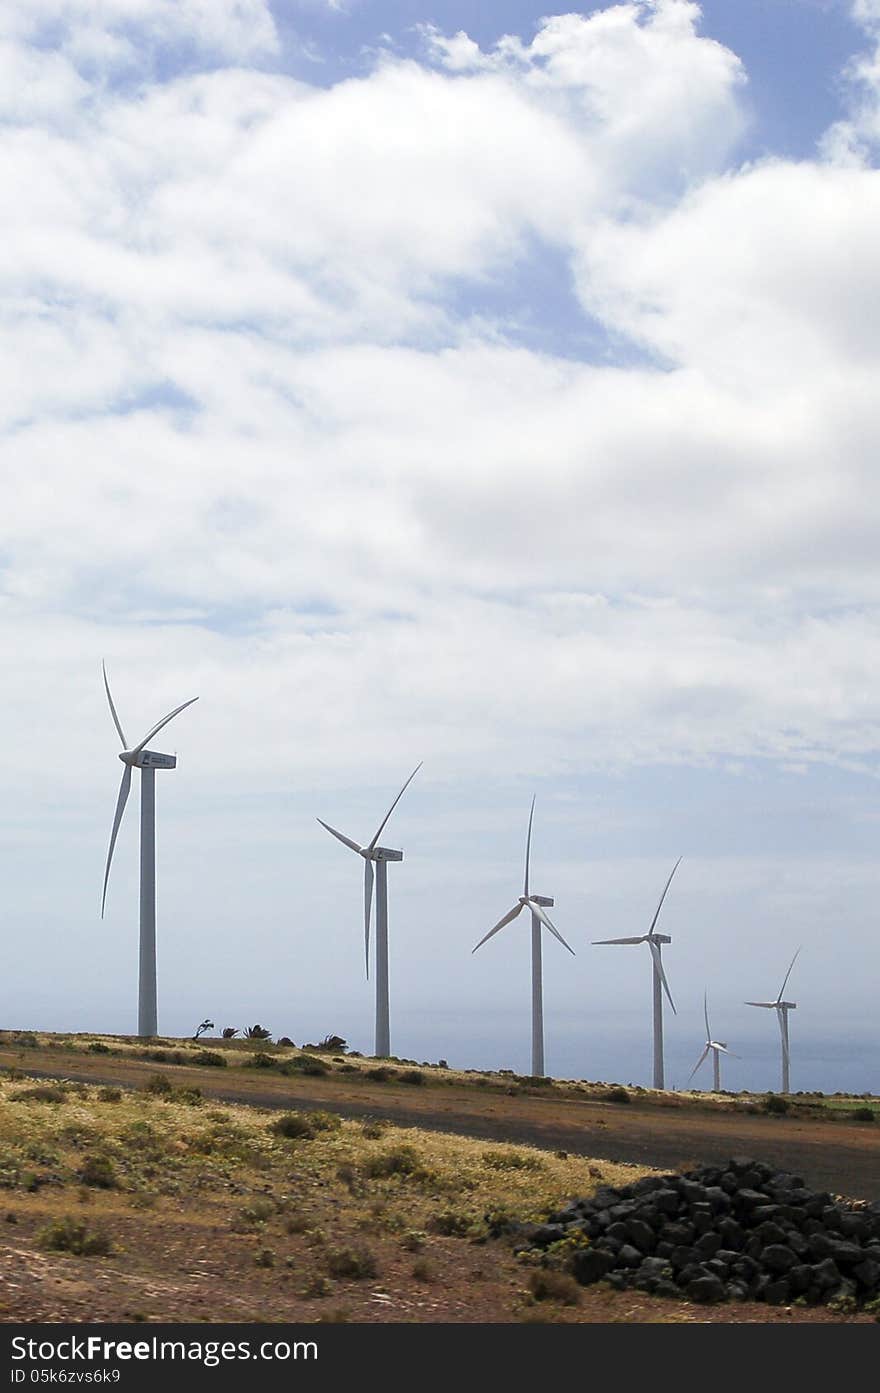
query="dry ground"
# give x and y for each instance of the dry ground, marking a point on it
(211, 1215)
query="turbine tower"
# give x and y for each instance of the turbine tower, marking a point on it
(537, 904)
(147, 761)
(655, 942)
(381, 855)
(782, 1009)
(718, 1047)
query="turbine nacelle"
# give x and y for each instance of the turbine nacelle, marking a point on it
(545, 901)
(148, 759)
(381, 853)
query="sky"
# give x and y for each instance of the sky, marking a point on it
(461, 383)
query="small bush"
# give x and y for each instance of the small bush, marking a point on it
(450, 1224)
(98, 1171)
(422, 1271)
(776, 1104)
(293, 1125)
(862, 1114)
(110, 1094)
(98, 1047)
(355, 1263)
(264, 1257)
(413, 1241)
(160, 1085)
(69, 1235)
(325, 1121)
(296, 1223)
(401, 1161)
(546, 1285)
(380, 1074)
(316, 1285)
(25, 1040)
(308, 1064)
(373, 1130)
(209, 1059)
(412, 1076)
(617, 1095)
(510, 1161)
(262, 1060)
(44, 1094)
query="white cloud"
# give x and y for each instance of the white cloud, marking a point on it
(110, 32)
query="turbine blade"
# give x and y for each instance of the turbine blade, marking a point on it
(787, 975)
(698, 1063)
(663, 896)
(164, 721)
(368, 905)
(706, 1015)
(500, 925)
(112, 707)
(770, 1004)
(529, 847)
(598, 941)
(658, 968)
(340, 836)
(393, 806)
(121, 801)
(545, 920)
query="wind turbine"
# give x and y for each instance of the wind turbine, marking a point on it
(381, 855)
(718, 1047)
(537, 905)
(654, 942)
(147, 761)
(782, 1009)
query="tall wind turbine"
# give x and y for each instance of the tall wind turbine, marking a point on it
(654, 942)
(537, 904)
(782, 1009)
(381, 855)
(718, 1047)
(147, 761)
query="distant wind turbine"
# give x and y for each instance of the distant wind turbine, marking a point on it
(537, 904)
(654, 942)
(718, 1047)
(381, 855)
(147, 761)
(782, 1009)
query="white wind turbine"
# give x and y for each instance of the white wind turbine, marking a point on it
(381, 855)
(782, 1009)
(718, 1047)
(147, 761)
(654, 942)
(537, 904)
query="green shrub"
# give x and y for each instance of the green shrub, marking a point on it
(617, 1095)
(776, 1104)
(450, 1224)
(325, 1121)
(413, 1241)
(412, 1076)
(69, 1235)
(372, 1129)
(110, 1094)
(159, 1084)
(308, 1064)
(98, 1171)
(209, 1059)
(25, 1040)
(355, 1263)
(862, 1114)
(547, 1285)
(98, 1047)
(293, 1125)
(264, 1257)
(401, 1161)
(380, 1074)
(422, 1271)
(510, 1161)
(262, 1060)
(46, 1093)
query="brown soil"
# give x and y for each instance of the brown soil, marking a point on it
(183, 1260)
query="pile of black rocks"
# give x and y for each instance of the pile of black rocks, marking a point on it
(739, 1232)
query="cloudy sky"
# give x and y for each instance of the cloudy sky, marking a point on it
(458, 383)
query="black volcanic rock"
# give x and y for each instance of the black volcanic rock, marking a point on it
(741, 1232)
